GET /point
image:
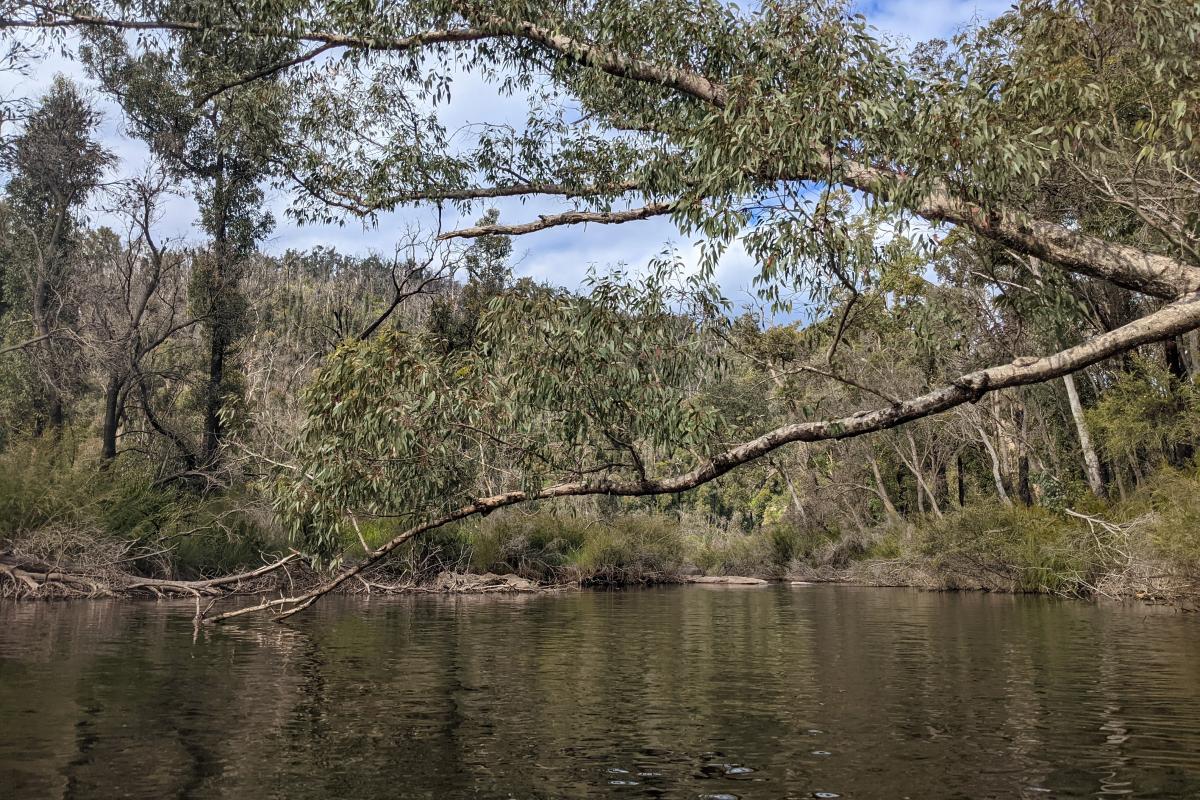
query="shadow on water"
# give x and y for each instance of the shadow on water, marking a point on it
(687, 692)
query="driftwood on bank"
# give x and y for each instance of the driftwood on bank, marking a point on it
(726, 580)
(29, 579)
(24, 578)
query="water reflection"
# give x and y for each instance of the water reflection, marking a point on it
(748, 693)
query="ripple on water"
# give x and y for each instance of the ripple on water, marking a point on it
(674, 692)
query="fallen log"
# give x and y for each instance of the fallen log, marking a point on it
(726, 580)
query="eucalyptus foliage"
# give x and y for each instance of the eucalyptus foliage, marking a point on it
(557, 386)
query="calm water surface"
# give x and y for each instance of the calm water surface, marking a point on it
(694, 692)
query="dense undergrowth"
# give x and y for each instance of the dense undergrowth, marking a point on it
(93, 518)
(1147, 545)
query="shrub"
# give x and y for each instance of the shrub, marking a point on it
(633, 549)
(535, 546)
(45, 500)
(1018, 548)
(1173, 531)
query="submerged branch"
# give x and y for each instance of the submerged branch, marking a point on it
(33, 578)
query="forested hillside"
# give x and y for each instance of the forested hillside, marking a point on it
(972, 360)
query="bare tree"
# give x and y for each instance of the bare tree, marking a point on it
(136, 300)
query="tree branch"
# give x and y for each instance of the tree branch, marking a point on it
(1123, 265)
(357, 204)
(28, 342)
(566, 218)
(266, 71)
(1171, 320)
(615, 63)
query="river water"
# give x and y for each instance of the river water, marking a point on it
(765, 692)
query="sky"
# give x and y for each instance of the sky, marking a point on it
(562, 255)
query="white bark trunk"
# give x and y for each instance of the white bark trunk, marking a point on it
(1091, 462)
(997, 476)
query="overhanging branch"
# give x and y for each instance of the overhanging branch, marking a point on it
(566, 218)
(28, 342)
(1172, 320)
(1123, 265)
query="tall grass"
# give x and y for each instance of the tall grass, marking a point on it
(81, 513)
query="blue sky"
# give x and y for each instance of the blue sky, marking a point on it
(561, 255)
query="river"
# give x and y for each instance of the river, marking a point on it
(768, 692)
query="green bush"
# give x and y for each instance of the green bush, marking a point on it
(632, 549)
(535, 546)
(1173, 498)
(1031, 549)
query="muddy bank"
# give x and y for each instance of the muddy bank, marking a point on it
(1151, 582)
(29, 579)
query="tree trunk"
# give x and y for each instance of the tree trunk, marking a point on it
(1091, 462)
(112, 416)
(212, 398)
(796, 504)
(55, 416)
(918, 473)
(881, 490)
(1193, 349)
(218, 343)
(1024, 490)
(995, 458)
(941, 484)
(960, 479)
(1174, 358)
(1135, 467)
(1178, 453)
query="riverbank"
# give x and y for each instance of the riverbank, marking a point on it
(81, 533)
(1141, 586)
(39, 581)
(290, 575)
(1143, 551)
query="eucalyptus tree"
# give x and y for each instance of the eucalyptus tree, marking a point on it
(772, 127)
(54, 164)
(221, 137)
(454, 316)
